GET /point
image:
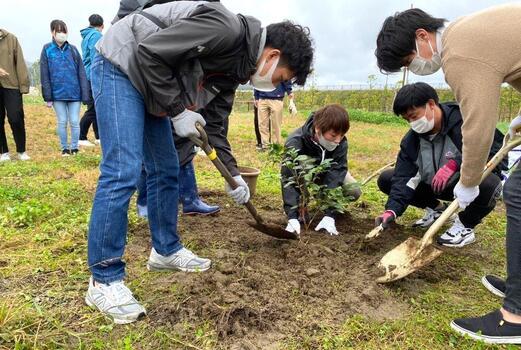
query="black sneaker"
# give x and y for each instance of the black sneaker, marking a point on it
(74, 151)
(494, 284)
(66, 153)
(490, 328)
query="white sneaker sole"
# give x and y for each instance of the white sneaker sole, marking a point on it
(162, 268)
(491, 288)
(485, 338)
(466, 241)
(129, 318)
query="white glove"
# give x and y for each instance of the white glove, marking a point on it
(293, 226)
(3, 73)
(242, 193)
(292, 107)
(184, 123)
(465, 195)
(328, 224)
(515, 126)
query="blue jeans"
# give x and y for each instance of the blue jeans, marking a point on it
(129, 138)
(68, 112)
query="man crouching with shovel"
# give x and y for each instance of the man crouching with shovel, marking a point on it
(427, 167)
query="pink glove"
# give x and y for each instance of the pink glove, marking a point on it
(442, 177)
(385, 219)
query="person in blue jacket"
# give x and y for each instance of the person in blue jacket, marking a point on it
(90, 36)
(64, 84)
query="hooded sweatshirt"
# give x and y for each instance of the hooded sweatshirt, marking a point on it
(90, 36)
(12, 61)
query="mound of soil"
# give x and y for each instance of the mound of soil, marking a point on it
(260, 289)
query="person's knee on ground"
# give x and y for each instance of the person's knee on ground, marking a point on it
(384, 181)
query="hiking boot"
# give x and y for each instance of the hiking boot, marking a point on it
(114, 300)
(457, 236)
(5, 157)
(23, 156)
(183, 260)
(66, 153)
(85, 143)
(490, 328)
(495, 285)
(428, 218)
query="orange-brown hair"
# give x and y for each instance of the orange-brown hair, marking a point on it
(331, 117)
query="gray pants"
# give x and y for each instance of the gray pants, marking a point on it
(512, 199)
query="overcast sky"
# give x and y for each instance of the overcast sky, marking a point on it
(344, 31)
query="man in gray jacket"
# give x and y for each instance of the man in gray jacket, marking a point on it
(184, 60)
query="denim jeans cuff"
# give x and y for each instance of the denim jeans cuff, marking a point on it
(176, 248)
(511, 309)
(107, 280)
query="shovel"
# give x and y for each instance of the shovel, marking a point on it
(268, 229)
(414, 253)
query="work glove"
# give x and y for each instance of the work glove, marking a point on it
(184, 123)
(327, 223)
(49, 104)
(293, 226)
(385, 219)
(465, 195)
(242, 193)
(3, 73)
(443, 175)
(515, 126)
(292, 107)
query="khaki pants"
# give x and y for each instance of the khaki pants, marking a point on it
(270, 111)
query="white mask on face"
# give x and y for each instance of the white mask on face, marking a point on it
(422, 66)
(423, 125)
(60, 38)
(264, 83)
(328, 145)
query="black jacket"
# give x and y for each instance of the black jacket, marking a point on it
(414, 162)
(302, 140)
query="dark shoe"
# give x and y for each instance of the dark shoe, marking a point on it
(495, 285)
(192, 204)
(66, 153)
(74, 152)
(490, 328)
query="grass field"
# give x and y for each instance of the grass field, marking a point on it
(260, 293)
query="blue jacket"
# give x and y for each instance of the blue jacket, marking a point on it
(277, 94)
(90, 37)
(62, 74)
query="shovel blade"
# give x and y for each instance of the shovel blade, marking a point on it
(274, 231)
(405, 259)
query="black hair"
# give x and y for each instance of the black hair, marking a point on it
(397, 36)
(95, 20)
(58, 26)
(295, 45)
(413, 96)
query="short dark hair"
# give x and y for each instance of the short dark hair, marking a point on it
(95, 20)
(58, 26)
(295, 45)
(331, 117)
(397, 36)
(413, 96)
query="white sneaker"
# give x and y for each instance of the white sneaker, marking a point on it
(457, 236)
(5, 157)
(23, 156)
(142, 211)
(85, 143)
(428, 218)
(183, 260)
(114, 300)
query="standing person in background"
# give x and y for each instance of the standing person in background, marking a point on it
(270, 105)
(256, 124)
(14, 81)
(64, 84)
(90, 36)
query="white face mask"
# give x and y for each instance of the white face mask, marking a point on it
(328, 145)
(60, 38)
(422, 66)
(423, 125)
(264, 83)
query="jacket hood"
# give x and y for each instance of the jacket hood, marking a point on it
(308, 133)
(449, 121)
(3, 33)
(87, 32)
(252, 36)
